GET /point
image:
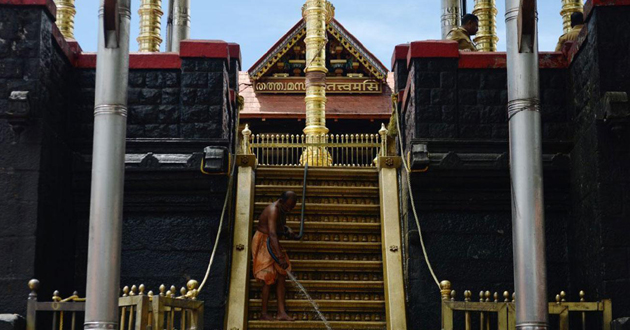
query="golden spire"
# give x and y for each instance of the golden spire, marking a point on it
(486, 39)
(317, 13)
(151, 13)
(568, 8)
(65, 17)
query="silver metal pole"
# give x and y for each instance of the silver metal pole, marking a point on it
(451, 16)
(108, 166)
(181, 23)
(530, 274)
(169, 27)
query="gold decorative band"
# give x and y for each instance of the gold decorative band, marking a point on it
(65, 17)
(487, 37)
(150, 13)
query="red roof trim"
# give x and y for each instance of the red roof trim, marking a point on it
(400, 53)
(469, 60)
(432, 48)
(136, 61)
(591, 4)
(205, 49)
(49, 4)
(235, 52)
(276, 45)
(69, 47)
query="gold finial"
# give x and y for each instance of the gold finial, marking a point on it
(481, 296)
(162, 289)
(383, 130)
(125, 291)
(56, 296)
(134, 290)
(563, 296)
(487, 294)
(582, 296)
(558, 299)
(496, 297)
(467, 295)
(173, 291)
(150, 13)
(169, 294)
(150, 294)
(453, 295)
(182, 292)
(506, 295)
(514, 297)
(445, 289)
(141, 288)
(65, 17)
(33, 285)
(192, 284)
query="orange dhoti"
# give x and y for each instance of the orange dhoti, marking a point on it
(265, 268)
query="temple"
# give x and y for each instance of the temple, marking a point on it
(440, 189)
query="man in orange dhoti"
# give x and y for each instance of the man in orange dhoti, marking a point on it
(271, 224)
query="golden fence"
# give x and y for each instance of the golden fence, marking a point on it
(138, 310)
(490, 312)
(337, 150)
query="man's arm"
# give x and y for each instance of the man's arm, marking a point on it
(560, 43)
(273, 237)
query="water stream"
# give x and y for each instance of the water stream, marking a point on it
(315, 306)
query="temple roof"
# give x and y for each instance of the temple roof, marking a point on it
(354, 106)
(337, 31)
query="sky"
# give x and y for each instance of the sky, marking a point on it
(257, 24)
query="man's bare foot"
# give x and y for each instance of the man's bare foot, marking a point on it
(266, 317)
(285, 317)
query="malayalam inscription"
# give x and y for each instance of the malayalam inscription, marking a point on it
(333, 86)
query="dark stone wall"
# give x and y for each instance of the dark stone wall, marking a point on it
(464, 207)
(598, 233)
(171, 216)
(37, 236)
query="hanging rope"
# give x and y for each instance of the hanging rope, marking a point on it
(413, 203)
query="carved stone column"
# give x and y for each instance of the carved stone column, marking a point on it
(568, 8)
(487, 38)
(150, 13)
(65, 17)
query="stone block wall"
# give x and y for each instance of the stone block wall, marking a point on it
(37, 236)
(598, 244)
(455, 104)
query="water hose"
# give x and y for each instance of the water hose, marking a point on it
(301, 234)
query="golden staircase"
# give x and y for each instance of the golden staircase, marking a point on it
(339, 259)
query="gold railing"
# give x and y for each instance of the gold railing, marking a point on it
(338, 150)
(492, 313)
(138, 310)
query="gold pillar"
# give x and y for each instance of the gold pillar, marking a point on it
(317, 13)
(65, 17)
(568, 8)
(487, 38)
(150, 13)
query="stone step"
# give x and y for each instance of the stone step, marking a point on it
(336, 266)
(332, 286)
(318, 191)
(339, 306)
(330, 209)
(254, 325)
(330, 247)
(334, 227)
(331, 173)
